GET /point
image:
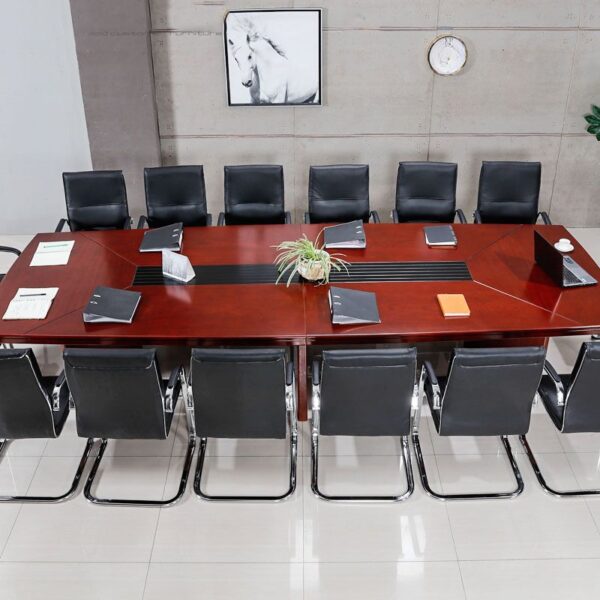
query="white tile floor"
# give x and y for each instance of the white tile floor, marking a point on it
(532, 547)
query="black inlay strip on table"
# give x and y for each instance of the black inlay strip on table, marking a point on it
(357, 272)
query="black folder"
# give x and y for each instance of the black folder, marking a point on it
(440, 235)
(352, 307)
(345, 235)
(109, 305)
(163, 238)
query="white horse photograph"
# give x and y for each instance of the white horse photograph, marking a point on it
(273, 57)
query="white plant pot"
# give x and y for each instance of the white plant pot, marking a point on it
(314, 272)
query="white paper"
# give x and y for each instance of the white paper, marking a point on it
(52, 253)
(30, 303)
(177, 266)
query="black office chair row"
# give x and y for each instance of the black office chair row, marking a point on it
(250, 393)
(254, 194)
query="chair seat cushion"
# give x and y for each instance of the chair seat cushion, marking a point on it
(547, 391)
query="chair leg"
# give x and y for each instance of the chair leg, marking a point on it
(53, 499)
(314, 484)
(220, 498)
(542, 481)
(87, 490)
(478, 496)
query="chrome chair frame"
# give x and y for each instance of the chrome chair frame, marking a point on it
(427, 372)
(27, 499)
(177, 375)
(561, 400)
(291, 409)
(314, 456)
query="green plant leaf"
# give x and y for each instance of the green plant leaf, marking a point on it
(598, 136)
(593, 129)
(591, 119)
(596, 110)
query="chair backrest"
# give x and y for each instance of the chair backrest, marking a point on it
(25, 406)
(426, 191)
(367, 392)
(509, 191)
(117, 393)
(490, 391)
(254, 194)
(95, 200)
(338, 193)
(175, 194)
(239, 393)
(582, 401)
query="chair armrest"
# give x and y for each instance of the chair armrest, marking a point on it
(127, 223)
(10, 249)
(558, 384)
(57, 391)
(395, 218)
(545, 218)
(375, 216)
(141, 222)
(60, 225)
(174, 388)
(476, 217)
(460, 215)
(288, 218)
(307, 218)
(428, 375)
(209, 220)
(221, 220)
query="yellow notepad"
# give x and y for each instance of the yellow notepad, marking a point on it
(453, 305)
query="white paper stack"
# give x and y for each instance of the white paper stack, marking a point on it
(52, 253)
(30, 303)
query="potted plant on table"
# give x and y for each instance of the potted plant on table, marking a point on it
(593, 120)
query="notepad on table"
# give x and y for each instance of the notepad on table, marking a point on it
(453, 305)
(163, 238)
(52, 253)
(345, 235)
(30, 303)
(110, 305)
(440, 235)
(352, 307)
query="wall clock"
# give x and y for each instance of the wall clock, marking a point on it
(447, 55)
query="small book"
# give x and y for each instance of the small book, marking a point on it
(352, 307)
(345, 235)
(440, 235)
(163, 238)
(109, 305)
(453, 305)
(30, 303)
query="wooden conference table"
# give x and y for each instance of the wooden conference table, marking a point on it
(233, 300)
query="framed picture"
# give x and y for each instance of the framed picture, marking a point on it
(273, 57)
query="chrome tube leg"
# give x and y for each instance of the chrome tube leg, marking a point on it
(475, 496)
(54, 499)
(542, 480)
(134, 502)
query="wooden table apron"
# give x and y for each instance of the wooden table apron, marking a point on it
(512, 301)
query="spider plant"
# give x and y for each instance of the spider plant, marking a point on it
(309, 259)
(594, 122)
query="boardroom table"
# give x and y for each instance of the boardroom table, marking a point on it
(233, 300)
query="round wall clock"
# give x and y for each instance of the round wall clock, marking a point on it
(447, 55)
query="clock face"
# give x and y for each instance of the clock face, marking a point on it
(447, 55)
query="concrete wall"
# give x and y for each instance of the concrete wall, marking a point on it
(42, 123)
(532, 73)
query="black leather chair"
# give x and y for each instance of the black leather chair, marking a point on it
(243, 393)
(33, 406)
(573, 405)
(119, 394)
(175, 195)
(488, 391)
(363, 392)
(10, 250)
(426, 192)
(254, 196)
(96, 200)
(339, 193)
(509, 192)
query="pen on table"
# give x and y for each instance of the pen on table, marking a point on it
(23, 295)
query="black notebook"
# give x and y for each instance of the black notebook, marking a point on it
(346, 235)
(440, 235)
(352, 307)
(163, 238)
(109, 305)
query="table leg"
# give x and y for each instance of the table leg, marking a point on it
(302, 379)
